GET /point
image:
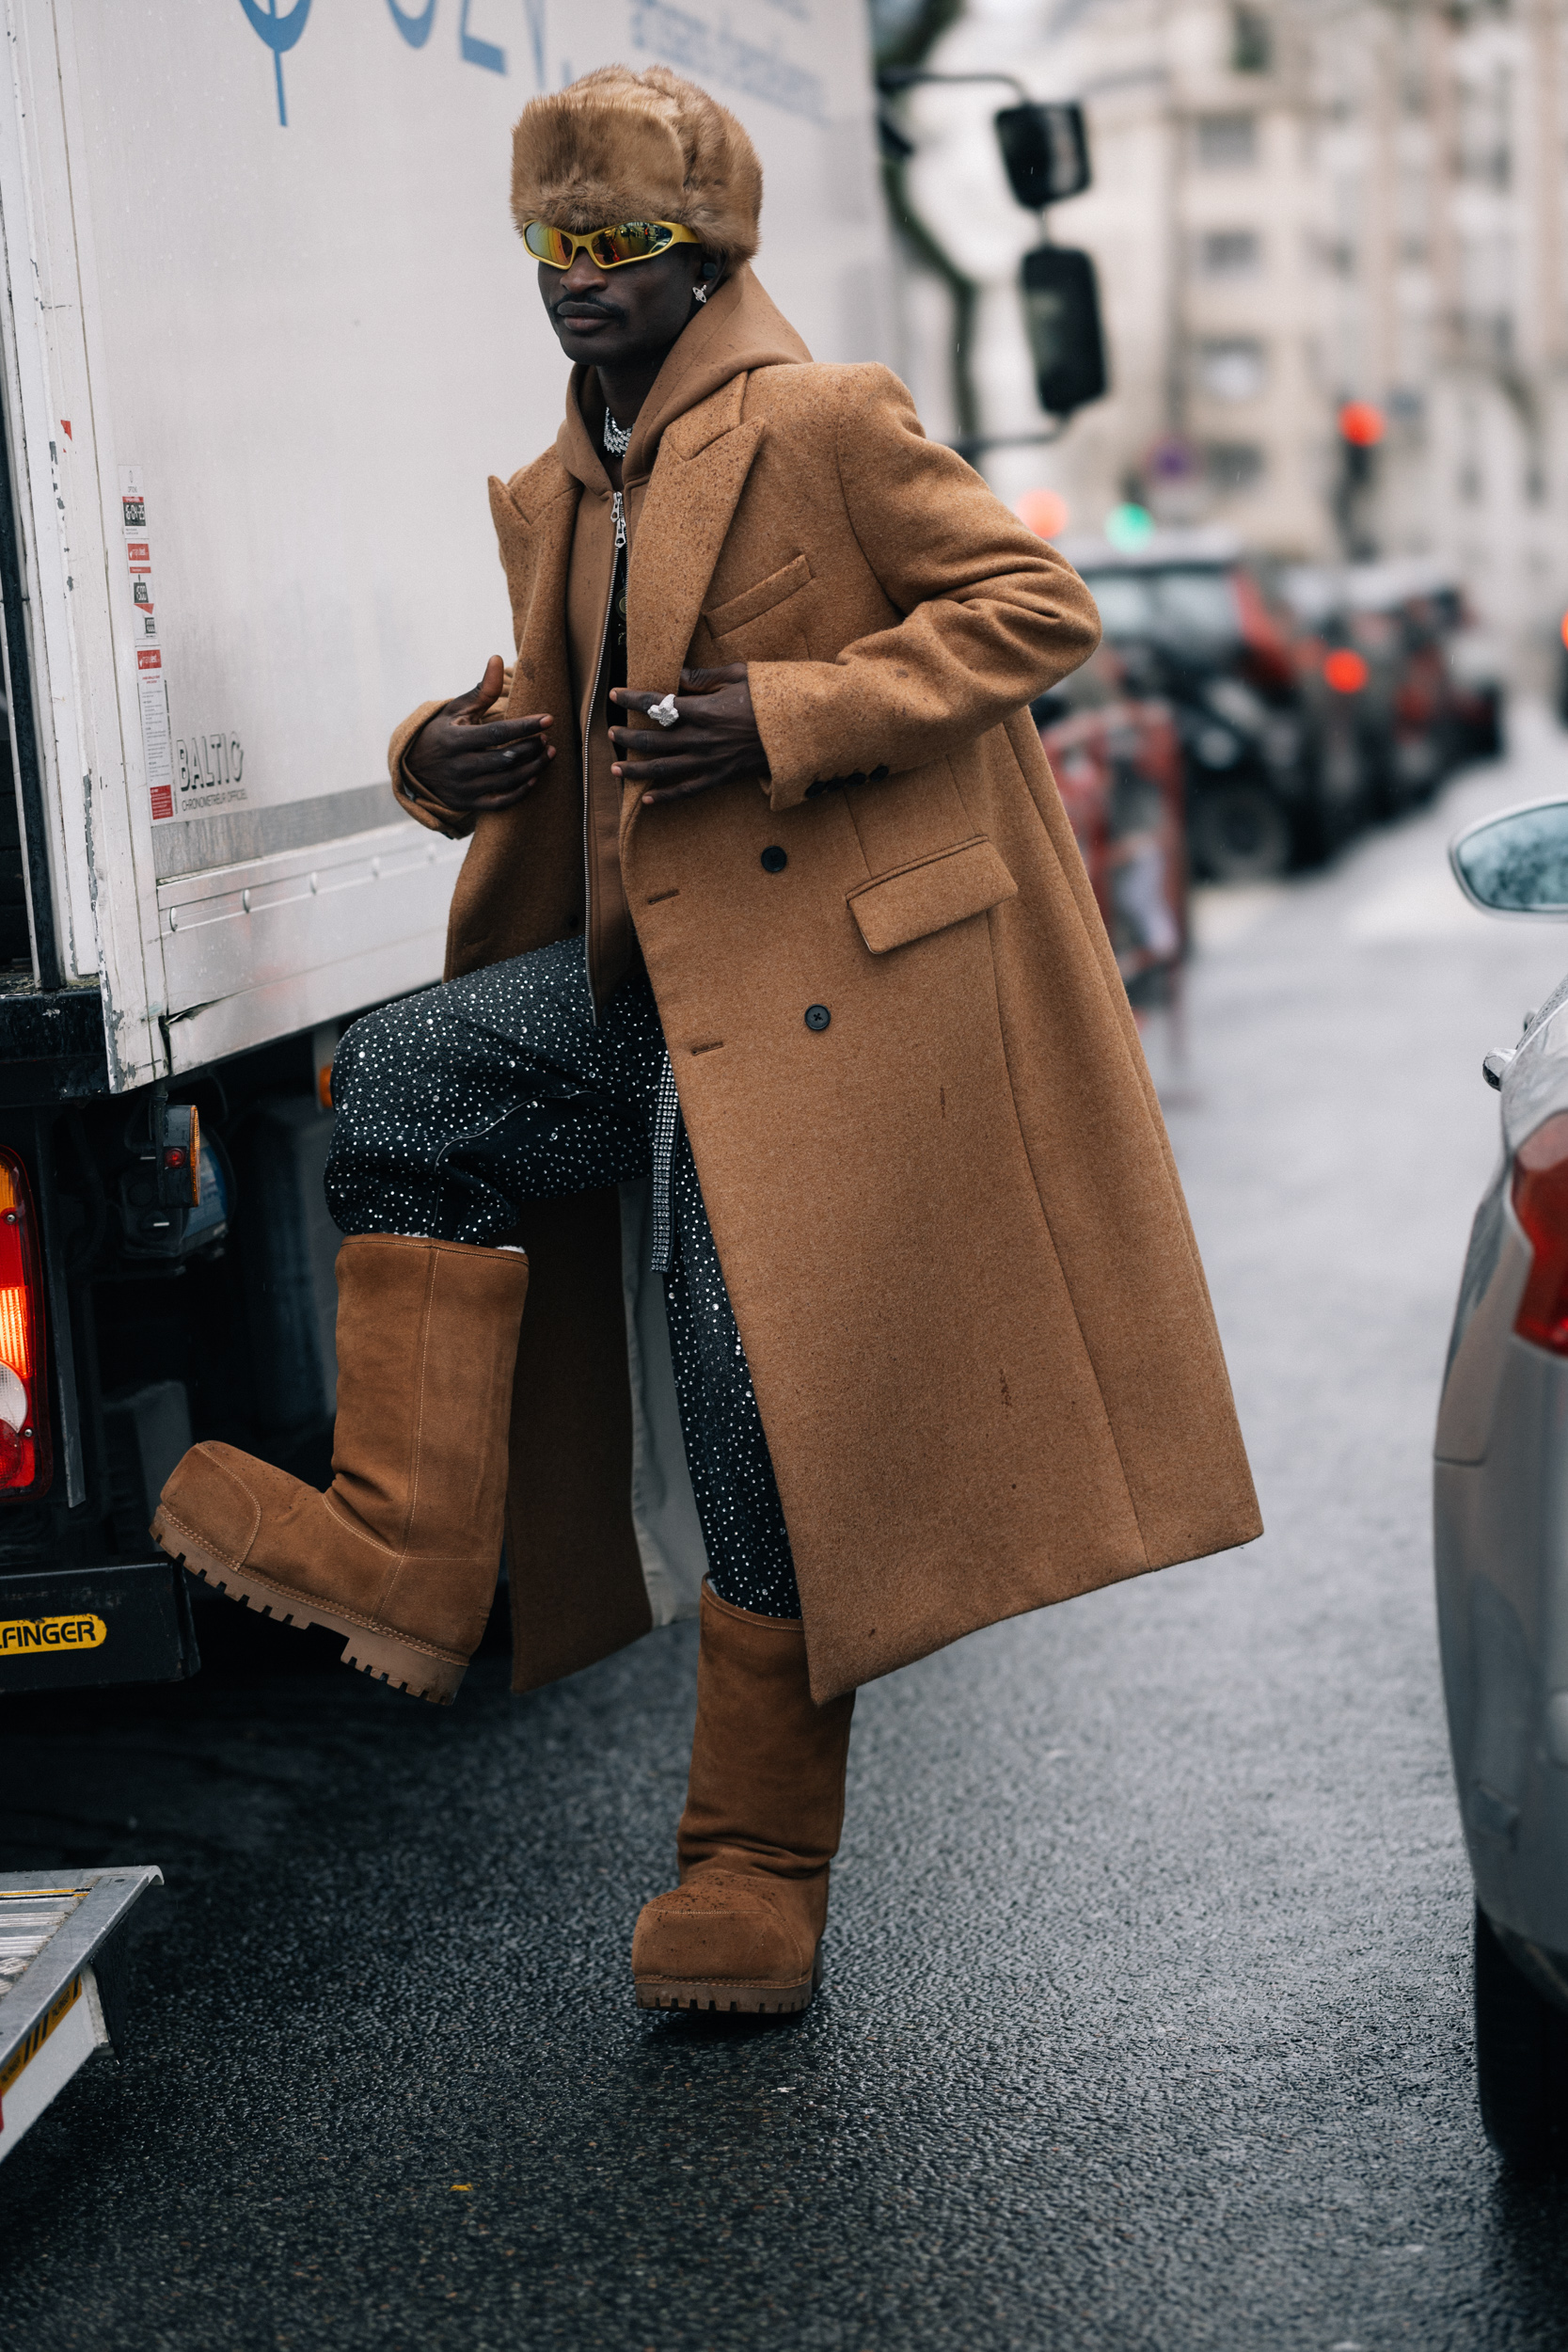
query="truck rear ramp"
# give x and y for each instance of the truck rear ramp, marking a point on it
(61, 1980)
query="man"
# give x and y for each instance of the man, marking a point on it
(782, 1030)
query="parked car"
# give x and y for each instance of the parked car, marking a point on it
(1419, 683)
(1501, 1518)
(1273, 771)
(1475, 679)
(1117, 764)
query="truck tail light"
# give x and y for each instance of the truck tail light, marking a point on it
(24, 1457)
(1541, 1205)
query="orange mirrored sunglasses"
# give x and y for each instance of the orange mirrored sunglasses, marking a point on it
(606, 248)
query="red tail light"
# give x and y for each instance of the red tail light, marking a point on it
(25, 1461)
(1541, 1205)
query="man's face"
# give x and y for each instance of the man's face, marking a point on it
(616, 318)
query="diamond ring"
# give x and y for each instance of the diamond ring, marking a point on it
(665, 712)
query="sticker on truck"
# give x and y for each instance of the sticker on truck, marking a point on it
(19, 1635)
(152, 693)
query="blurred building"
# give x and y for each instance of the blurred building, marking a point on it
(1297, 203)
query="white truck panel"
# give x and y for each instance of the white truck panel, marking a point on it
(42, 327)
(268, 328)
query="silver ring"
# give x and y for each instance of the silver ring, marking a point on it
(664, 713)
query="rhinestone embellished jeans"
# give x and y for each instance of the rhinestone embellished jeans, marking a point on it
(455, 1105)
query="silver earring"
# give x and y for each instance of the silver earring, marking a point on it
(699, 293)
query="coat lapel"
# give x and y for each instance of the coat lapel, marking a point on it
(700, 472)
(536, 549)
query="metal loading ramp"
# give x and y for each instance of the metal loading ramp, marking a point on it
(61, 1980)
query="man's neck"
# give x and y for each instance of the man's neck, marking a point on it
(626, 389)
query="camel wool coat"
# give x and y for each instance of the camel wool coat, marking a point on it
(949, 1221)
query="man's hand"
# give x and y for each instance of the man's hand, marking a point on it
(471, 764)
(714, 742)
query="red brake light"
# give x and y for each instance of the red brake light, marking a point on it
(24, 1457)
(1541, 1205)
(1345, 670)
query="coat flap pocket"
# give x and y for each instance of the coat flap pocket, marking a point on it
(946, 888)
(752, 603)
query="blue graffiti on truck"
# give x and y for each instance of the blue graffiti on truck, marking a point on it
(474, 52)
(415, 29)
(415, 24)
(279, 33)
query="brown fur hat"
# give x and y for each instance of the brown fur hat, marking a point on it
(624, 146)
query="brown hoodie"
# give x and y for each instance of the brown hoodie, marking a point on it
(739, 330)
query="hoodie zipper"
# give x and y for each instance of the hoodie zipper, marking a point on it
(618, 515)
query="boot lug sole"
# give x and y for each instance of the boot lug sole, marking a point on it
(717, 1997)
(728, 2000)
(368, 1649)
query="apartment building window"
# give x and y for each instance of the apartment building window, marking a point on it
(1251, 42)
(1469, 483)
(1484, 113)
(1483, 325)
(1227, 142)
(1232, 367)
(1229, 253)
(1234, 465)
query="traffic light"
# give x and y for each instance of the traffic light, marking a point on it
(1361, 424)
(1045, 152)
(1061, 317)
(1361, 428)
(1360, 431)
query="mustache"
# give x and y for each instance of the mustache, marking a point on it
(589, 304)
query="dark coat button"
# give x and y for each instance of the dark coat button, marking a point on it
(774, 860)
(817, 1016)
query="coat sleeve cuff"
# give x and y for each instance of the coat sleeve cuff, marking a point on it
(412, 795)
(811, 744)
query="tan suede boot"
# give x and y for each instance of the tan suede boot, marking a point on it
(764, 1809)
(401, 1553)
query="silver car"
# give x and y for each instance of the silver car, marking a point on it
(1502, 1532)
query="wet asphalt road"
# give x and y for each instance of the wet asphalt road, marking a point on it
(1147, 2012)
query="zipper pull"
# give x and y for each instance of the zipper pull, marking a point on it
(618, 510)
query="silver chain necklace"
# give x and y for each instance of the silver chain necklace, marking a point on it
(617, 437)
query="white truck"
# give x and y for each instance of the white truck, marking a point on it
(266, 329)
